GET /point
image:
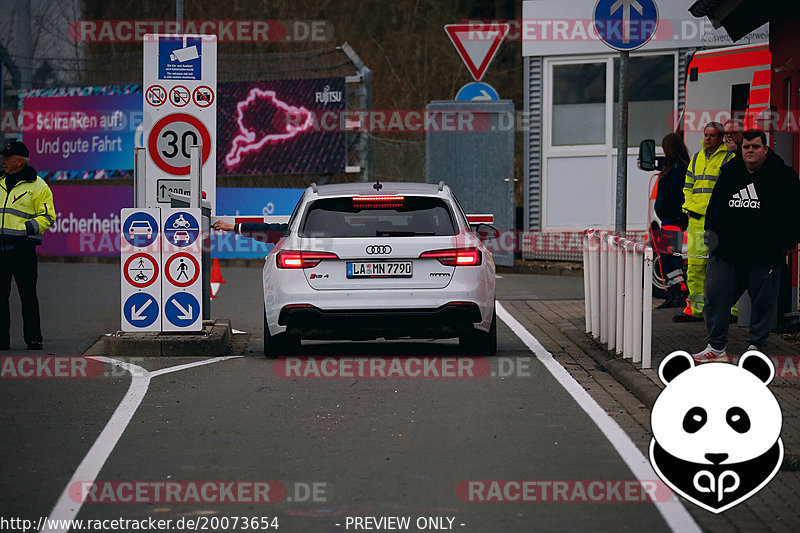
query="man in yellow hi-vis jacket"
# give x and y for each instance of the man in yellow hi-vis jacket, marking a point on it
(27, 211)
(701, 176)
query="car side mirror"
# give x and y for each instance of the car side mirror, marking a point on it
(647, 155)
(486, 232)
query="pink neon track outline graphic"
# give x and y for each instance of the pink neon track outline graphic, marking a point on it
(244, 141)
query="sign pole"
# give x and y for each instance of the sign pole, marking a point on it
(637, 20)
(622, 146)
(195, 177)
(139, 178)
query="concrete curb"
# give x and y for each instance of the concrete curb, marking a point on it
(214, 341)
(555, 268)
(640, 385)
(621, 369)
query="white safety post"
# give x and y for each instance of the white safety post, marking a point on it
(627, 329)
(638, 255)
(647, 311)
(620, 319)
(603, 251)
(587, 293)
(611, 251)
(594, 261)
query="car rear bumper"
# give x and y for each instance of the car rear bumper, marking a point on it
(310, 322)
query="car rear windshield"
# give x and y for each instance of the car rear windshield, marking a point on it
(407, 216)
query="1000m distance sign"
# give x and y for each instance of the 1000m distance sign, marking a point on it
(171, 140)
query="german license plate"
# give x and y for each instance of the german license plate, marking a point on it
(379, 269)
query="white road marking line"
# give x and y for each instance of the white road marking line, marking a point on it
(674, 513)
(191, 365)
(66, 508)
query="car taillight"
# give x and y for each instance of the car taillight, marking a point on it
(295, 259)
(378, 202)
(455, 256)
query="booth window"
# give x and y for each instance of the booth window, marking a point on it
(651, 98)
(579, 104)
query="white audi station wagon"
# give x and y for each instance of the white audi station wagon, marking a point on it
(365, 261)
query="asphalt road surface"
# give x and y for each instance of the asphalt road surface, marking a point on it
(346, 450)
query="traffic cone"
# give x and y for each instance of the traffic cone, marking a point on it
(216, 277)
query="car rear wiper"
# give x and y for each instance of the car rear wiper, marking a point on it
(389, 233)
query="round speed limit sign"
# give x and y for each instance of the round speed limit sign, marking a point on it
(171, 139)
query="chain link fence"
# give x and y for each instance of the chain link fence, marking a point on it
(398, 160)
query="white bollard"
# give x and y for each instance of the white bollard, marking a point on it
(620, 319)
(638, 272)
(611, 251)
(587, 293)
(647, 311)
(603, 250)
(594, 280)
(627, 347)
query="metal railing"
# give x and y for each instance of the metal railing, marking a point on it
(617, 276)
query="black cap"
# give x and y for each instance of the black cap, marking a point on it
(15, 148)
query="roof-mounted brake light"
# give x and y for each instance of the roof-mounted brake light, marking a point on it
(378, 202)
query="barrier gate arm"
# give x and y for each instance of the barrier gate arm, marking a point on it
(238, 219)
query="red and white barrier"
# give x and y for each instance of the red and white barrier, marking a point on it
(617, 277)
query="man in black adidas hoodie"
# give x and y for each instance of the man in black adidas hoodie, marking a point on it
(750, 223)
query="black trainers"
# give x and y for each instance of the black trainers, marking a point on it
(683, 317)
(35, 346)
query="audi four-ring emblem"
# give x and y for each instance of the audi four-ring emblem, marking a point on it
(379, 249)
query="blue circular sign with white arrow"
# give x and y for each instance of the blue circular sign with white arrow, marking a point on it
(141, 310)
(477, 91)
(625, 24)
(181, 229)
(140, 229)
(182, 309)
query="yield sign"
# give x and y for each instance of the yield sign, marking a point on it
(477, 44)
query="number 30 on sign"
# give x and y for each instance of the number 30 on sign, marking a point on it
(171, 139)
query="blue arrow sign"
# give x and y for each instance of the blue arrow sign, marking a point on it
(625, 24)
(140, 229)
(182, 309)
(181, 229)
(477, 91)
(140, 309)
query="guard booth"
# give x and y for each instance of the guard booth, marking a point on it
(470, 146)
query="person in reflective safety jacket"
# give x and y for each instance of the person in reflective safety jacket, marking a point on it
(27, 212)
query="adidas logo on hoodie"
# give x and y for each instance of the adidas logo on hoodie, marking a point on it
(747, 197)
